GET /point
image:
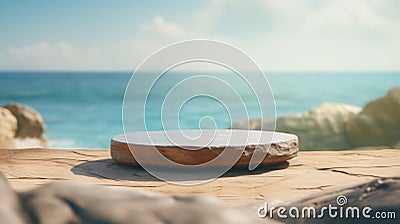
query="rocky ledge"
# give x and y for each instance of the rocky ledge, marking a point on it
(130, 195)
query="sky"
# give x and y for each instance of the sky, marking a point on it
(280, 35)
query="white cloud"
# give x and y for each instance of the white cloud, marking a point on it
(279, 35)
(125, 54)
(47, 56)
(160, 28)
(310, 35)
(269, 15)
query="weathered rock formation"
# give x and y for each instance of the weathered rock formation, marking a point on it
(378, 123)
(340, 126)
(320, 128)
(30, 123)
(21, 126)
(8, 127)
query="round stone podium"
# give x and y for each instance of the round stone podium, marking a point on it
(194, 147)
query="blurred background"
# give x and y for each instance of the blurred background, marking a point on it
(71, 60)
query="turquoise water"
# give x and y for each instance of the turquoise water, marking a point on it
(83, 109)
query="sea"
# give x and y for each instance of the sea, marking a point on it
(84, 109)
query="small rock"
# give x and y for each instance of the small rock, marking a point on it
(30, 123)
(8, 127)
(378, 123)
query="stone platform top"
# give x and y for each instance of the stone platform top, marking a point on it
(310, 172)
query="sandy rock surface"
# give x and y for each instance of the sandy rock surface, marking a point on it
(38, 188)
(310, 172)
